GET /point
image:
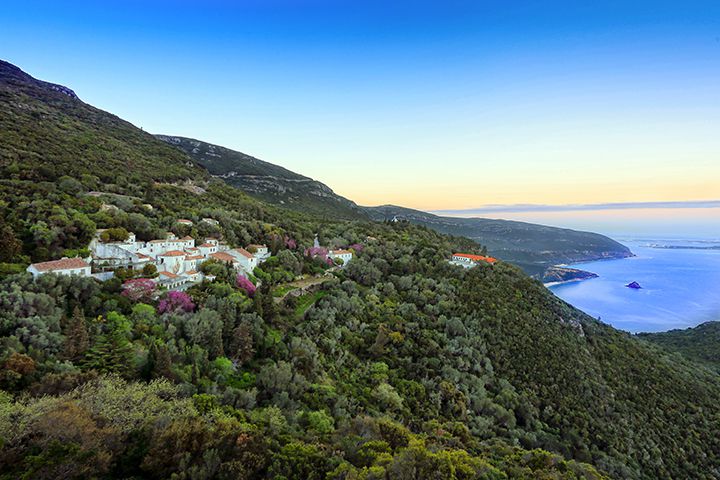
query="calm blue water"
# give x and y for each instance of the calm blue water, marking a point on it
(681, 287)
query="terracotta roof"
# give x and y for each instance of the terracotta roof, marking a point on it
(206, 245)
(62, 264)
(168, 274)
(157, 241)
(142, 255)
(243, 252)
(223, 257)
(254, 245)
(187, 237)
(340, 252)
(173, 253)
(194, 257)
(191, 272)
(191, 249)
(476, 258)
(184, 220)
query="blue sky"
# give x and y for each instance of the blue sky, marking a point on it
(432, 105)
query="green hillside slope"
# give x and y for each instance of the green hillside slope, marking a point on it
(701, 343)
(398, 366)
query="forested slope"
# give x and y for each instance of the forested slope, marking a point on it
(397, 366)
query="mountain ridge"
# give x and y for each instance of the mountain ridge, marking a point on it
(266, 181)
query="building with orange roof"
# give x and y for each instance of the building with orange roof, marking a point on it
(469, 260)
(64, 266)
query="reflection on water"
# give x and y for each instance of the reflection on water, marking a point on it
(681, 288)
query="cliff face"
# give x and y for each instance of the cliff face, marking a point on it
(266, 181)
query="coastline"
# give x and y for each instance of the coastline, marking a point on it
(563, 282)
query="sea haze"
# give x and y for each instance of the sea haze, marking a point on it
(681, 286)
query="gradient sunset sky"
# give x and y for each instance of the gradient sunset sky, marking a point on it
(431, 105)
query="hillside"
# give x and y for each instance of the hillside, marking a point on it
(700, 344)
(67, 168)
(532, 247)
(398, 366)
(266, 181)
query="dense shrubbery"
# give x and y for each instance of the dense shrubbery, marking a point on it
(401, 365)
(397, 366)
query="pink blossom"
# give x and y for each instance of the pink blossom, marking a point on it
(176, 301)
(358, 247)
(138, 289)
(245, 284)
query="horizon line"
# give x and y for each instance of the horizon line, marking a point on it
(530, 207)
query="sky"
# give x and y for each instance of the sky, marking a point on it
(432, 105)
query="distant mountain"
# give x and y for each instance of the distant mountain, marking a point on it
(532, 247)
(701, 343)
(266, 181)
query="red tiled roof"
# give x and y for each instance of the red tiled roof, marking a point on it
(62, 264)
(476, 258)
(207, 245)
(184, 220)
(340, 252)
(142, 255)
(194, 257)
(187, 237)
(223, 257)
(173, 253)
(191, 272)
(254, 245)
(243, 252)
(168, 274)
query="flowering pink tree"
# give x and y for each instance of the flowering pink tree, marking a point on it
(245, 283)
(138, 289)
(290, 243)
(176, 302)
(316, 252)
(358, 247)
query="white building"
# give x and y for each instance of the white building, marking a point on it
(260, 252)
(344, 255)
(245, 259)
(64, 266)
(172, 261)
(469, 260)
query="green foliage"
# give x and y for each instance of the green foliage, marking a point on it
(701, 343)
(397, 366)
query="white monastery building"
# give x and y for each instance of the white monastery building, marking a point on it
(64, 266)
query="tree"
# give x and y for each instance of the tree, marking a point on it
(242, 343)
(175, 301)
(139, 289)
(243, 282)
(149, 271)
(112, 352)
(10, 246)
(77, 339)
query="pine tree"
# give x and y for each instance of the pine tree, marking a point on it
(242, 344)
(112, 352)
(77, 339)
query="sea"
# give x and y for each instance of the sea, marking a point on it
(680, 280)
